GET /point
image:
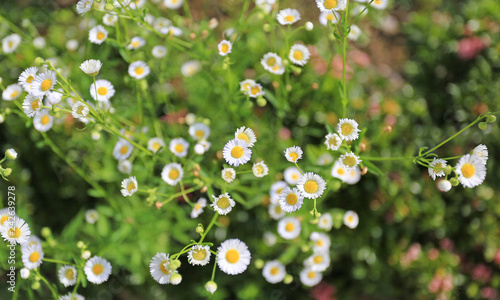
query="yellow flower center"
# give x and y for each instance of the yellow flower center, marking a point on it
(29, 79)
(437, 168)
(311, 187)
(289, 18)
(100, 35)
(197, 206)
(34, 257)
(340, 171)
(85, 4)
(319, 243)
(45, 120)
(350, 161)
(102, 91)
(289, 226)
(46, 84)
(232, 256)
(298, 55)
(156, 146)
(70, 274)
(274, 271)
(35, 104)
(330, 17)
(277, 209)
(199, 254)
(378, 1)
(223, 203)
(80, 110)
(237, 152)
(173, 174)
(291, 199)
(279, 191)
(199, 133)
(346, 129)
(468, 170)
(224, 48)
(130, 186)
(14, 232)
(135, 44)
(164, 269)
(318, 259)
(246, 86)
(311, 274)
(333, 141)
(139, 70)
(294, 156)
(295, 176)
(350, 219)
(3, 219)
(97, 269)
(276, 67)
(254, 90)
(243, 136)
(228, 175)
(11, 43)
(271, 61)
(330, 4)
(123, 150)
(14, 93)
(259, 169)
(179, 148)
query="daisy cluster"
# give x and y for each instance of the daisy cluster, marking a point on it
(347, 166)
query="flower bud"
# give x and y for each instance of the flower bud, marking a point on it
(25, 273)
(174, 264)
(86, 254)
(81, 245)
(288, 279)
(35, 285)
(11, 154)
(491, 119)
(259, 263)
(199, 229)
(175, 278)
(483, 125)
(444, 185)
(454, 181)
(309, 26)
(447, 170)
(211, 287)
(108, 6)
(39, 61)
(266, 27)
(46, 232)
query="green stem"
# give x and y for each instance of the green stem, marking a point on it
(212, 222)
(56, 261)
(297, 165)
(215, 267)
(184, 194)
(384, 158)
(52, 290)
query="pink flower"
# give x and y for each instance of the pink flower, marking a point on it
(470, 47)
(323, 291)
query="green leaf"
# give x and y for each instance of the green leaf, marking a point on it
(372, 168)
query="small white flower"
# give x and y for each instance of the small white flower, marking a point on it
(43, 83)
(270, 60)
(79, 110)
(277, 188)
(159, 51)
(260, 169)
(352, 176)
(11, 154)
(83, 6)
(97, 270)
(444, 185)
(179, 147)
(275, 211)
(198, 208)
(138, 69)
(129, 186)
(351, 219)
(91, 67)
(233, 257)
(349, 160)
(26, 79)
(436, 169)
(228, 174)
(25, 273)
(225, 47)
(299, 54)
(54, 97)
(380, 4)
(223, 204)
(43, 121)
(471, 170)
(190, 68)
(98, 34)
(311, 185)
(67, 275)
(125, 166)
(288, 16)
(32, 105)
(159, 270)
(355, 33)
(123, 149)
(289, 228)
(331, 5)
(291, 200)
(199, 255)
(71, 296)
(102, 90)
(348, 129)
(270, 239)
(199, 131)
(255, 91)
(274, 271)
(245, 85)
(236, 152)
(136, 43)
(172, 173)
(333, 141)
(328, 16)
(10, 43)
(11, 92)
(318, 262)
(293, 154)
(173, 4)
(308, 277)
(32, 256)
(91, 216)
(109, 19)
(156, 144)
(320, 241)
(292, 175)
(72, 45)
(481, 151)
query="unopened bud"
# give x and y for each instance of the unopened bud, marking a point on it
(211, 287)
(86, 254)
(204, 189)
(80, 245)
(288, 279)
(259, 263)
(11, 154)
(108, 6)
(158, 205)
(35, 285)
(447, 170)
(46, 232)
(454, 181)
(315, 86)
(491, 119)
(175, 278)
(192, 36)
(199, 229)
(483, 125)
(266, 27)
(39, 61)
(362, 147)
(309, 26)
(388, 128)
(174, 264)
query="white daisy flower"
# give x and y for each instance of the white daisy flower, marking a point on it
(5, 214)
(211, 287)
(274, 271)
(201, 147)
(27, 77)
(245, 85)
(292, 175)
(136, 43)
(481, 151)
(355, 33)
(225, 47)
(246, 134)
(83, 6)
(104, 89)
(25, 273)
(320, 241)
(123, 149)
(33, 240)
(288, 16)
(179, 147)
(198, 208)
(351, 219)
(15, 231)
(190, 68)
(11, 154)
(39, 42)
(444, 185)
(171, 31)
(311, 185)
(32, 105)
(437, 168)
(228, 174)
(348, 129)
(125, 166)
(159, 268)
(137, 4)
(291, 200)
(129, 186)
(43, 121)
(269, 239)
(98, 34)
(97, 270)
(270, 60)
(138, 69)
(109, 19)
(91, 216)
(79, 110)
(11, 92)
(339, 171)
(255, 91)
(275, 211)
(380, 4)
(173, 4)
(236, 152)
(471, 170)
(172, 173)
(67, 275)
(319, 261)
(233, 257)
(32, 257)
(324, 159)
(260, 169)
(43, 83)
(277, 188)
(72, 45)
(199, 131)
(161, 23)
(71, 296)
(333, 141)
(278, 69)
(299, 54)
(199, 255)
(289, 228)
(91, 67)
(159, 51)
(223, 204)
(328, 16)
(349, 160)
(293, 154)
(10, 43)
(331, 5)
(54, 97)
(156, 144)
(310, 278)
(352, 176)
